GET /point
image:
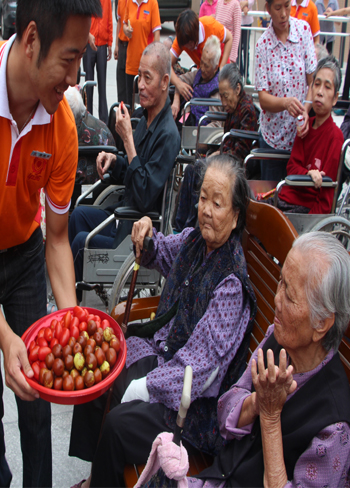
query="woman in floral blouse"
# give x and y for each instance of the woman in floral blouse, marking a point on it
(285, 60)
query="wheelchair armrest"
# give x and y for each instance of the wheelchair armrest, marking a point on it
(206, 101)
(131, 213)
(95, 150)
(245, 134)
(106, 180)
(184, 159)
(266, 153)
(217, 116)
(306, 180)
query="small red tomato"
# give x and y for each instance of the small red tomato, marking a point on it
(41, 333)
(36, 369)
(67, 319)
(105, 323)
(42, 364)
(74, 323)
(82, 326)
(90, 317)
(53, 323)
(97, 319)
(43, 352)
(64, 337)
(74, 332)
(34, 354)
(58, 331)
(53, 342)
(79, 313)
(48, 334)
(42, 342)
(32, 345)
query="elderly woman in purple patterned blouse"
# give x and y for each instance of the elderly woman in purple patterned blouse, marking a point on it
(287, 419)
(203, 319)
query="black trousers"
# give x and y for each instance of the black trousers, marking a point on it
(121, 75)
(129, 89)
(98, 58)
(127, 434)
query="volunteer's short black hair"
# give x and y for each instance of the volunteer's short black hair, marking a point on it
(51, 17)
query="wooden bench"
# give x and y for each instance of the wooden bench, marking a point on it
(267, 240)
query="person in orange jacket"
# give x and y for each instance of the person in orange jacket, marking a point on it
(98, 52)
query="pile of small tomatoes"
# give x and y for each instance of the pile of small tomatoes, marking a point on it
(75, 352)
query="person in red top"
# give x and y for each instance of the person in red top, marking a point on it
(98, 52)
(306, 10)
(318, 154)
(120, 50)
(191, 35)
(39, 149)
(141, 26)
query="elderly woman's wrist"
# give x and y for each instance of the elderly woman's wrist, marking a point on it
(270, 421)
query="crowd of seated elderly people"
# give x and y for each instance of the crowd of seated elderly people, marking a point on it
(204, 82)
(241, 114)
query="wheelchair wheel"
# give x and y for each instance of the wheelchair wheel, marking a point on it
(338, 226)
(143, 288)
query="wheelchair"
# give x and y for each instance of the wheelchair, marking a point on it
(337, 222)
(108, 271)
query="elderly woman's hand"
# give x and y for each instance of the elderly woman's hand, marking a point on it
(316, 177)
(140, 230)
(273, 384)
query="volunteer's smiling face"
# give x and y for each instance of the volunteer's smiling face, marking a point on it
(51, 76)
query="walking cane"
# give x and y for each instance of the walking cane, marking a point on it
(148, 245)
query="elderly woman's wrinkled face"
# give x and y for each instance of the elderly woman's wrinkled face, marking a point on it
(216, 216)
(206, 65)
(229, 96)
(293, 328)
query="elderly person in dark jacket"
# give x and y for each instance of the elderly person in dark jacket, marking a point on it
(241, 114)
(150, 156)
(203, 319)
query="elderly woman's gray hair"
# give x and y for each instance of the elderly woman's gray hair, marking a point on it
(230, 72)
(331, 63)
(240, 191)
(212, 45)
(327, 290)
(76, 103)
